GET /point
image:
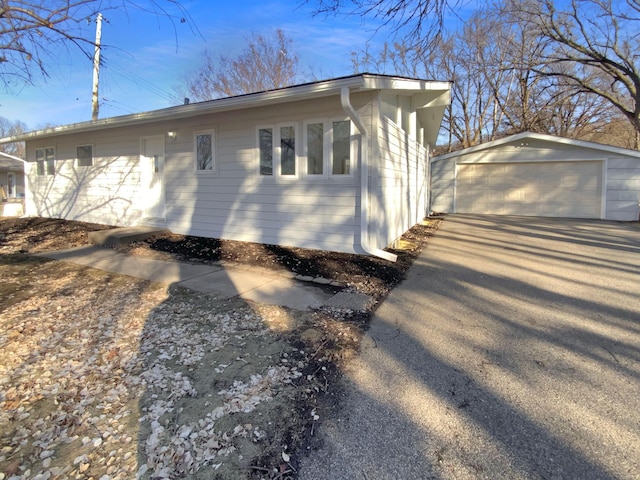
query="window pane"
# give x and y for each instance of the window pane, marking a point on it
(85, 155)
(40, 161)
(51, 162)
(204, 152)
(265, 139)
(287, 150)
(341, 148)
(315, 148)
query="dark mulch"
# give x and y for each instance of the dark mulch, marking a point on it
(365, 274)
(369, 275)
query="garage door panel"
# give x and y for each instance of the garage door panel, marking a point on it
(563, 189)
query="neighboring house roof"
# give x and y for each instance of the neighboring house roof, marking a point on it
(355, 83)
(521, 137)
(9, 162)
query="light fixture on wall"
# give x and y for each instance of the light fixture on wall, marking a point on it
(172, 135)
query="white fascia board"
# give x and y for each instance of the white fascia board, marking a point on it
(374, 82)
(543, 137)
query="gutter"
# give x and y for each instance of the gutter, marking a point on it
(364, 179)
(12, 157)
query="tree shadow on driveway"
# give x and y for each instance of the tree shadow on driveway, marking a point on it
(500, 356)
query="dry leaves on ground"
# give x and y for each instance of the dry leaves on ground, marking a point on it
(110, 377)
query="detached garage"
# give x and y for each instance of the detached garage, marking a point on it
(538, 175)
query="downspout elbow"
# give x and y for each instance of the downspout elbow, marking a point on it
(364, 179)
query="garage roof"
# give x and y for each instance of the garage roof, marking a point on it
(522, 137)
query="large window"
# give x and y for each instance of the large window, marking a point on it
(277, 147)
(45, 161)
(204, 151)
(328, 147)
(84, 156)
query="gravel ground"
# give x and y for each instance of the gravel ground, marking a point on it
(105, 376)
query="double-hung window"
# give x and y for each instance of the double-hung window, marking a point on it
(328, 147)
(204, 150)
(277, 150)
(46, 161)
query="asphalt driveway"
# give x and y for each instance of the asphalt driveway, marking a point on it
(512, 350)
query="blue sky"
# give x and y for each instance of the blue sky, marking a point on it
(144, 56)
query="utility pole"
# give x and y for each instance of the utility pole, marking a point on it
(96, 70)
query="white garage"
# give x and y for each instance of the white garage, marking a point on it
(538, 175)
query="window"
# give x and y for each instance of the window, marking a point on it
(328, 147)
(341, 148)
(84, 156)
(204, 148)
(315, 148)
(277, 147)
(45, 161)
(287, 150)
(265, 141)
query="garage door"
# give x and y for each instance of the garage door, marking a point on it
(546, 189)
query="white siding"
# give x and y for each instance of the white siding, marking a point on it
(621, 183)
(623, 189)
(443, 180)
(234, 203)
(105, 193)
(401, 183)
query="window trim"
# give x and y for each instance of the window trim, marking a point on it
(43, 164)
(214, 143)
(92, 156)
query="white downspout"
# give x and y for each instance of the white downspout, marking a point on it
(364, 179)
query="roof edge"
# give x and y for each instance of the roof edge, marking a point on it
(542, 137)
(361, 81)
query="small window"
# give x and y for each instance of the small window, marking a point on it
(315, 149)
(204, 151)
(45, 161)
(84, 156)
(341, 148)
(287, 150)
(265, 142)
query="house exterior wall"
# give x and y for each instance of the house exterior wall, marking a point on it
(233, 202)
(621, 176)
(401, 188)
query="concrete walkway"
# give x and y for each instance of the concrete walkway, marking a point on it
(511, 351)
(249, 283)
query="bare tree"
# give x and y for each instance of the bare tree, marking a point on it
(32, 32)
(593, 47)
(266, 63)
(10, 129)
(420, 21)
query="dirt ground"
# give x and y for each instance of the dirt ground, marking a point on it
(105, 376)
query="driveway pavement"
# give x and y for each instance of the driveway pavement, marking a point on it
(512, 350)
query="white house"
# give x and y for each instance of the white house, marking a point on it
(337, 165)
(538, 175)
(12, 185)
